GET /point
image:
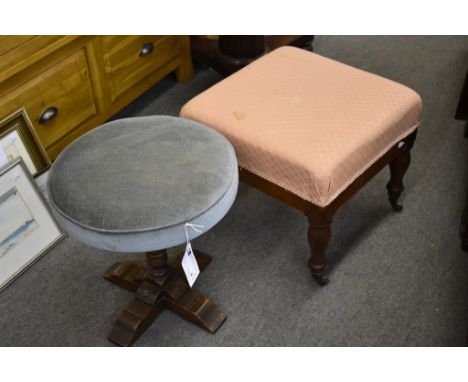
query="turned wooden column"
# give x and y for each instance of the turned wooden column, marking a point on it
(158, 268)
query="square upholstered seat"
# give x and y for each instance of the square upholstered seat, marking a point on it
(306, 123)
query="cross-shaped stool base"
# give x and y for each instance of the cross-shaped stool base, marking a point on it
(159, 286)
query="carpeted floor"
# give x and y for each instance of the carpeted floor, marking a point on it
(396, 279)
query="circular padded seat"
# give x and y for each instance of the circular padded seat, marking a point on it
(132, 184)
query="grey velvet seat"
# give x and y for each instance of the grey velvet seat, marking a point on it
(132, 184)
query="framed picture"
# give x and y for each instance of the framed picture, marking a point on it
(27, 228)
(41, 179)
(18, 139)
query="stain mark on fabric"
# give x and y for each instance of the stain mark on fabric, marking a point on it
(239, 115)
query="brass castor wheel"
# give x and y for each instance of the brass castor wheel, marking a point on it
(394, 196)
(322, 279)
(397, 206)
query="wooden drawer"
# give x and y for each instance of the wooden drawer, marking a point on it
(126, 63)
(9, 43)
(64, 86)
(19, 52)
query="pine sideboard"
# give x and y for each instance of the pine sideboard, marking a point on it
(71, 84)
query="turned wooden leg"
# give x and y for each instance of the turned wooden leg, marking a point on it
(319, 235)
(398, 167)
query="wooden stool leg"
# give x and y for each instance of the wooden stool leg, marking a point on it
(319, 235)
(398, 167)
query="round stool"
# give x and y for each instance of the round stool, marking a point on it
(132, 185)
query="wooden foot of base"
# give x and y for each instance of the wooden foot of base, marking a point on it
(200, 310)
(133, 321)
(156, 288)
(127, 275)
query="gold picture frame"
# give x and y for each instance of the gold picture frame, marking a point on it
(18, 130)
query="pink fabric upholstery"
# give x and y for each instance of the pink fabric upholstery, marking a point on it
(307, 123)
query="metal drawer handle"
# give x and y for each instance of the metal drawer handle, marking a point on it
(146, 49)
(48, 115)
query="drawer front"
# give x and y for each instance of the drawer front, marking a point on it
(9, 43)
(129, 59)
(61, 95)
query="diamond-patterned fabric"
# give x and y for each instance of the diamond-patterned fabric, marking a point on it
(307, 123)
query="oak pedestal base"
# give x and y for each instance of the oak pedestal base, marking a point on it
(161, 285)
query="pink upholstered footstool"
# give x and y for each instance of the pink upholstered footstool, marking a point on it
(311, 132)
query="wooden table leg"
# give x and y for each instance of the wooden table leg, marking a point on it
(160, 285)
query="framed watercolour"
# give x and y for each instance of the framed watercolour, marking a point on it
(41, 180)
(27, 229)
(18, 139)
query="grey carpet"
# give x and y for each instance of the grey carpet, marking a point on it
(396, 279)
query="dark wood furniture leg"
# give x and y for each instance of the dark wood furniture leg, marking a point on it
(398, 168)
(319, 235)
(161, 285)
